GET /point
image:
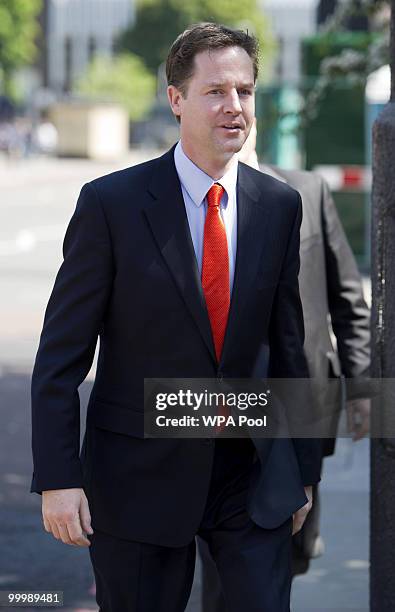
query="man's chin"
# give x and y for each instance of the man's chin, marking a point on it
(236, 143)
(233, 147)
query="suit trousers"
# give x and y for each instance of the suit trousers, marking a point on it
(254, 564)
(212, 598)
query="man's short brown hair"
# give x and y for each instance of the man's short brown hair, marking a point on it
(205, 37)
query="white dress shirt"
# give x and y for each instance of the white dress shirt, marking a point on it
(195, 184)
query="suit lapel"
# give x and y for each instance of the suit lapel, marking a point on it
(168, 221)
(169, 224)
(252, 224)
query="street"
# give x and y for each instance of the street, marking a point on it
(37, 200)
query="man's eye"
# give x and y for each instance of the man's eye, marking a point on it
(245, 92)
(215, 91)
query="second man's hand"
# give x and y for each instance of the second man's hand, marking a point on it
(358, 418)
(66, 515)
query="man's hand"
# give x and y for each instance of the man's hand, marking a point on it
(358, 418)
(66, 515)
(300, 516)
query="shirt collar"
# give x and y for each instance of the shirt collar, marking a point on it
(196, 182)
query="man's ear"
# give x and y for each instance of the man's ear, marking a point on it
(174, 95)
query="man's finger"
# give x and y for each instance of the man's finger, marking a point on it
(358, 418)
(54, 530)
(364, 424)
(298, 523)
(64, 534)
(76, 534)
(300, 516)
(85, 516)
(297, 526)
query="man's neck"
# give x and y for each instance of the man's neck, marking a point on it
(215, 168)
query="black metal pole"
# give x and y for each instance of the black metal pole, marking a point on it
(382, 505)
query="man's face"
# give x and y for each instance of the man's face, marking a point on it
(219, 104)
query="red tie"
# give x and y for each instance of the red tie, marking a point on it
(215, 268)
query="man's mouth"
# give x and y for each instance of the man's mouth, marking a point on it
(232, 127)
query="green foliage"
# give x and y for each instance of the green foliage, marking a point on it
(158, 23)
(321, 46)
(124, 79)
(18, 31)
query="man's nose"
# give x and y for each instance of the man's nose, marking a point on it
(232, 103)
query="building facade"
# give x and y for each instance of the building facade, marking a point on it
(76, 30)
(292, 20)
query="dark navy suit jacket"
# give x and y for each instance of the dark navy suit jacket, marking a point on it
(130, 276)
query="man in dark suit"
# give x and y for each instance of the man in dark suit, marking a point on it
(185, 267)
(333, 304)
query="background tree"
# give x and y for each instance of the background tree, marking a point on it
(158, 23)
(124, 79)
(352, 64)
(18, 31)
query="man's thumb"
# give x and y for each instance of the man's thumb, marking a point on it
(85, 515)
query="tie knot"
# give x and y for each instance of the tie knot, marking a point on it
(214, 194)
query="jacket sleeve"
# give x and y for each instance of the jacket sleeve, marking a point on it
(349, 313)
(287, 358)
(67, 345)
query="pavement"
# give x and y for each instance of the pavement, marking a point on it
(37, 200)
